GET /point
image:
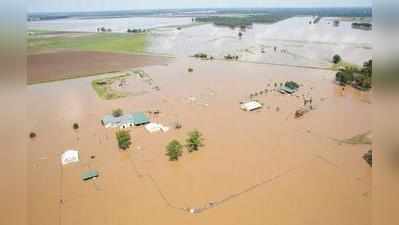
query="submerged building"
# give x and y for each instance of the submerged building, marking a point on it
(125, 121)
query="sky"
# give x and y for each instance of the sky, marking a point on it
(109, 5)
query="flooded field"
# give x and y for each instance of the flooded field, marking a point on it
(262, 167)
(297, 42)
(115, 24)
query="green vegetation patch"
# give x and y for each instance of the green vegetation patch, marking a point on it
(174, 150)
(358, 77)
(106, 42)
(124, 139)
(240, 21)
(104, 90)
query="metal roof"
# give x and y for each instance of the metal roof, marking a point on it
(287, 89)
(89, 175)
(138, 118)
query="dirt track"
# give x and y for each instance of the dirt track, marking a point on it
(71, 64)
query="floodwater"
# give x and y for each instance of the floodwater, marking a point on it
(116, 24)
(257, 168)
(297, 42)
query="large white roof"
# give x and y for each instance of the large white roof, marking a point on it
(70, 156)
(249, 106)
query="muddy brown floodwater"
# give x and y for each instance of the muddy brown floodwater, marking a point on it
(257, 168)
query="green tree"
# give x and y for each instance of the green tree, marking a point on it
(194, 141)
(117, 112)
(367, 68)
(337, 59)
(124, 139)
(174, 150)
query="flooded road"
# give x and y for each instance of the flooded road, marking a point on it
(262, 167)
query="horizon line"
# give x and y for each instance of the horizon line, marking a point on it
(205, 8)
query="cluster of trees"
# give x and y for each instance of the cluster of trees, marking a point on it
(362, 26)
(203, 56)
(231, 57)
(240, 21)
(124, 139)
(358, 78)
(136, 30)
(103, 29)
(193, 143)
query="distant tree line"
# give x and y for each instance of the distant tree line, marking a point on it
(136, 30)
(239, 21)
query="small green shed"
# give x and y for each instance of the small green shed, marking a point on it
(88, 175)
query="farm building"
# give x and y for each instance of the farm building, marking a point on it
(88, 175)
(70, 156)
(125, 121)
(286, 90)
(251, 106)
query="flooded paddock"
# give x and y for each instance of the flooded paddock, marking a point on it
(261, 167)
(297, 42)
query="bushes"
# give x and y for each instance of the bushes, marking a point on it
(368, 157)
(117, 112)
(174, 150)
(193, 143)
(231, 57)
(344, 77)
(359, 78)
(75, 126)
(336, 59)
(32, 135)
(124, 139)
(201, 55)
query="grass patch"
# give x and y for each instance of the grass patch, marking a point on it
(361, 139)
(106, 42)
(104, 90)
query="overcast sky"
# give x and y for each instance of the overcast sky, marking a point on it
(102, 5)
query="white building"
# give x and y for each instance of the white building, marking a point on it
(251, 106)
(70, 156)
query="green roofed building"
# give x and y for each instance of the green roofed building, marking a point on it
(88, 175)
(285, 89)
(125, 121)
(140, 118)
